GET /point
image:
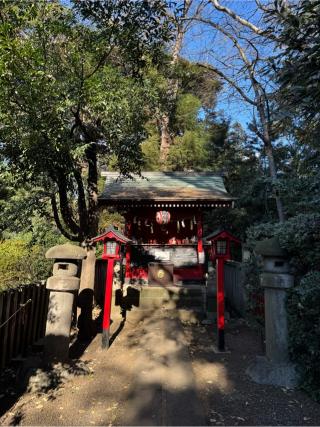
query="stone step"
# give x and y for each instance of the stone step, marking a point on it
(174, 297)
(168, 297)
(168, 290)
(186, 315)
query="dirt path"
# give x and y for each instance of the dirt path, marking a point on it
(162, 371)
(229, 397)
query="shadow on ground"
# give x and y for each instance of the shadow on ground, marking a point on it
(162, 370)
(32, 375)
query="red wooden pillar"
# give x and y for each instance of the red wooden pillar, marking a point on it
(128, 248)
(107, 304)
(199, 233)
(220, 302)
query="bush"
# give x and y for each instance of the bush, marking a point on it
(299, 235)
(17, 262)
(22, 256)
(304, 331)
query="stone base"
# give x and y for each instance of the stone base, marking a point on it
(263, 371)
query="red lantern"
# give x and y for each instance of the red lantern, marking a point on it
(163, 217)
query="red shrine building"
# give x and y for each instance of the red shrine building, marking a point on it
(163, 214)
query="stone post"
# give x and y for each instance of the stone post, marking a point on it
(63, 285)
(275, 368)
(86, 296)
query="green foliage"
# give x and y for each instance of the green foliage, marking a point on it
(297, 29)
(186, 115)
(137, 28)
(254, 292)
(108, 218)
(188, 152)
(304, 331)
(15, 262)
(195, 80)
(181, 93)
(299, 235)
(72, 93)
(189, 149)
(46, 98)
(296, 70)
(151, 152)
(21, 262)
(232, 153)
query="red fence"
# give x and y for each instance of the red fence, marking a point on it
(23, 313)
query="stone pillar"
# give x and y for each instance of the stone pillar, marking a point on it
(275, 368)
(86, 296)
(88, 269)
(63, 285)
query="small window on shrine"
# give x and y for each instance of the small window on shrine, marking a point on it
(63, 267)
(221, 247)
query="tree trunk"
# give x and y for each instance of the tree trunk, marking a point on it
(269, 152)
(86, 292)
(93, 217)
(165, 140)
(173, 86)
(273, 174)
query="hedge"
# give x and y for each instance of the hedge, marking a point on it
(304, 331)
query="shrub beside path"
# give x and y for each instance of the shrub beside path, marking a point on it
(162, 370)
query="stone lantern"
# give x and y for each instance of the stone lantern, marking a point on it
(63, 285)
(276, 279)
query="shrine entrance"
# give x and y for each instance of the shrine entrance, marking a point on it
(163, 214)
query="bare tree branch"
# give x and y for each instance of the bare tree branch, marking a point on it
(248, 64)
(238, 18)
(260, 101)
(230, 81)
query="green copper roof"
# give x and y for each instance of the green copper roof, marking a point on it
(166, 186)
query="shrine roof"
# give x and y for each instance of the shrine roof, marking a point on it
(165, 186)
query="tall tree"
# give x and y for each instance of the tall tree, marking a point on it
(165, 113)
(195, 101)
(71, 92)
(241, 66)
